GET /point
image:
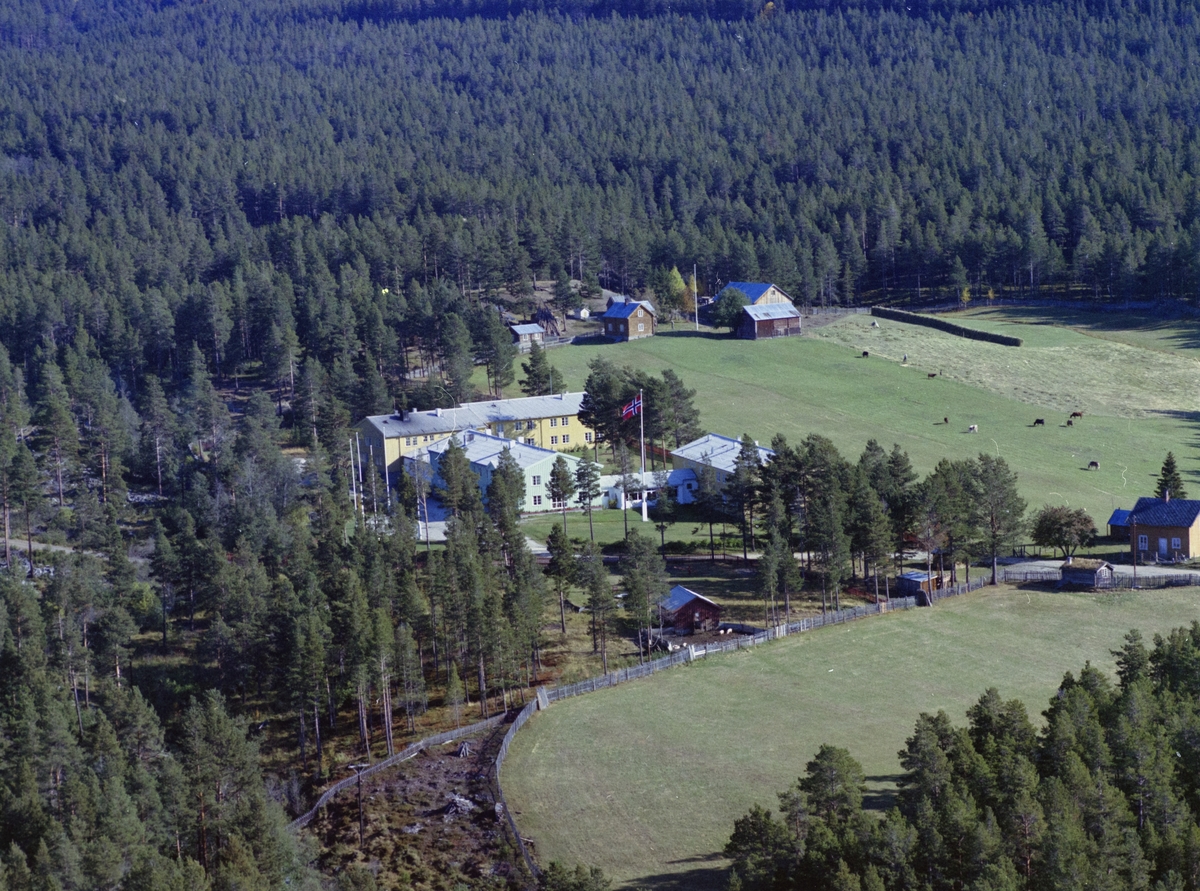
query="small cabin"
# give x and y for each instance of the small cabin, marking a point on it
(1086, 573)
(688, 612)
(919, 585)
(1118, 525)
(524, 336)
(769, 320)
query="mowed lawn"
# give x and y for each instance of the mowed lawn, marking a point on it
(646, 779)
(1139, 401)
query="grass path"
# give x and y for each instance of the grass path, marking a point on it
(646, 779)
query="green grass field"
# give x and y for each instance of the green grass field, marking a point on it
(646, 779)
(1135, 386)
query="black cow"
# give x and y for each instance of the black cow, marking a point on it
(1039, 422)
(1093, 465)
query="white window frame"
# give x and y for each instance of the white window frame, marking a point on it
(554, 422)
(537, 500)
(565, 421)
(553, 440)
(641, 327)
(1143, 542)
(587, 437)
(537, 480)
(1176, 544)
(566, 438)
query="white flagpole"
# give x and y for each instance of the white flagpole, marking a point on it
(642, 419)
(353, 493)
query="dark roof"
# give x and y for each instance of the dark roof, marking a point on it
(625, 310)
(1119, 517)
(681, 597)
(1156, 512)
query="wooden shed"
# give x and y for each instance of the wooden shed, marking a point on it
(688, 612)
(918, 585)
(1086, 573)
(769, 320)
(524, 336)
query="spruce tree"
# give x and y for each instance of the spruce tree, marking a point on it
(1170, 483)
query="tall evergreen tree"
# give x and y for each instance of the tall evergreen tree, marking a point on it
(1170, 483)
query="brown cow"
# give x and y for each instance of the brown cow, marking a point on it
(1077, 414)
(933, 374)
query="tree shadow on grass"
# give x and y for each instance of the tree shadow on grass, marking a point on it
(705, 335)
(881, 791)
(711, 873)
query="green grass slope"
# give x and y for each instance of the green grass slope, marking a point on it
(646, 779)
(1138, 400)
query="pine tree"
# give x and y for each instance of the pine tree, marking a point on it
(1170, 483)
(587, 489)
(455, 694)
(541, 378)
(561, 486)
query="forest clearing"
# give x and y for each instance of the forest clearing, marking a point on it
(646, 779)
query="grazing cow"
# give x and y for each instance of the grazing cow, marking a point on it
(933, 374)
(1039, 422)
(865, 354)
(1077, 414)
(946, 421)
(1093, 465)
(1070, 423)
(974, 428)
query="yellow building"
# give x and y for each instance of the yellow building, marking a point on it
(549, 422)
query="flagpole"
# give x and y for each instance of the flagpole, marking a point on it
(642, 419)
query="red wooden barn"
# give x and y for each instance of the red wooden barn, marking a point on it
(687, 612)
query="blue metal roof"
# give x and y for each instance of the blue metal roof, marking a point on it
(625, 310)
(1119, 517)
(915, 576)
(528, 329)
(1156, 512)
(753, 290)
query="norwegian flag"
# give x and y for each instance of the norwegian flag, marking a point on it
(633, 408)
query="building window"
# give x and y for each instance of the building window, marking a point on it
(608, 326)
(587, 437)
(529, 441)
(537, 480)
(566, 438)
(528, 425)
(564, 421)
(557, 505)
(554, 422)
(1175, 545)
(1143, 543)
(641, 327)
(537, 500)
(553, 440)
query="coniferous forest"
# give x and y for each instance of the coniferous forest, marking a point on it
(228, 230)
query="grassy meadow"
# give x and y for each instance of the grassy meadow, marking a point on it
(646, 779)
(1136, 388)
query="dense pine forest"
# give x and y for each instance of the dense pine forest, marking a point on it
(1103, 796)
(229, 229)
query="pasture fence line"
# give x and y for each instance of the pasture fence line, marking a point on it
(408, 752)
(1122, 582)
(498, 792)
